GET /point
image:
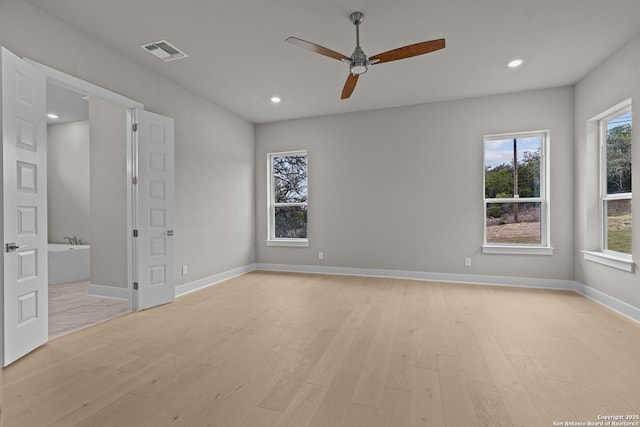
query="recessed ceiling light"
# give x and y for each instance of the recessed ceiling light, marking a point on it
(515, 63)
(52, 116)
(275, 99)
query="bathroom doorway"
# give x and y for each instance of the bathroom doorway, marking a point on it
(134, 150)
(86, 219)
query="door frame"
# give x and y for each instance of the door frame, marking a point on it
(89, 89)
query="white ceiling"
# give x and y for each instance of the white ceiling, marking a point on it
(68, 105)
(238, 57)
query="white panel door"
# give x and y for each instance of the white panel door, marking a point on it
(154, 265)
(24, 131)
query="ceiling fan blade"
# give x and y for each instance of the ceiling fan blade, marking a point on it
(349, 85)
(317, 48)
(409, 51)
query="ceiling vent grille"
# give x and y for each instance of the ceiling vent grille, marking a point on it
(164, 50)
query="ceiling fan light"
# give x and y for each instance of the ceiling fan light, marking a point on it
(358, 69)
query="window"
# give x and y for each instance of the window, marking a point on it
(609, 139)
(615, 183)
(515, 205)
(287, 225)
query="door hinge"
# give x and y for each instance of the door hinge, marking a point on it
(135, 233)
(134, 127)
(135, 286)
(135, 180)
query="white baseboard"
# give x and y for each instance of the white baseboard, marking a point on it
(526, 282)
(187, 288)
(608, 301)
(103, 291)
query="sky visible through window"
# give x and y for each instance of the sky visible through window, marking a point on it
(622, 120)
(500, 151)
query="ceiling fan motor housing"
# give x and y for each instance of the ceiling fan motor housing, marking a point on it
(359, 62)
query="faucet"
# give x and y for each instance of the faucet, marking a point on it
(72, 240)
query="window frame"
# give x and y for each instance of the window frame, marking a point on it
(544, 247)
(272, 205)
(604, 195)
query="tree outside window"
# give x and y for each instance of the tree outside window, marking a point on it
(288, 195)
(514, 189)
(616, 192)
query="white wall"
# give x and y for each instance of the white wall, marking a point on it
(108, 193)
(214, 148)
(615, 80)
(401, 188)
(68, 205)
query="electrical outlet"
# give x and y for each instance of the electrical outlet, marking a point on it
(467, 262)
(320, 255)
(185, 270)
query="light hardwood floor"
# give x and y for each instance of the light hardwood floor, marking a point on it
(271, 349)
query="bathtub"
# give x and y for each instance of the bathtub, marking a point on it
(68, 263)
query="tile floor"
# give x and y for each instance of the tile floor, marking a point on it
(71, 308)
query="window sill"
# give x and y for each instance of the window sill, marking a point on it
(292, 243)
(619, 262)
(517, 250)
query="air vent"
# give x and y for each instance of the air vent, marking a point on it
(164, 50)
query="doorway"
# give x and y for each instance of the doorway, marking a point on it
(147, 244)
(86, 198)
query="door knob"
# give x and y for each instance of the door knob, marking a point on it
(11, 247)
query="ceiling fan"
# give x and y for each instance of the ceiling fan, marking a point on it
(358, 62)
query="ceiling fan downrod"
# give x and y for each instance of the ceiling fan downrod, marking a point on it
(356, 19)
